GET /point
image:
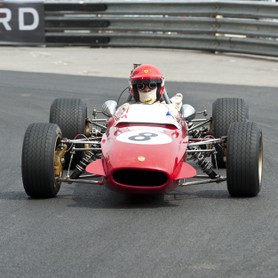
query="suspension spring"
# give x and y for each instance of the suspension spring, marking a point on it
(205, 165)
(80, 167)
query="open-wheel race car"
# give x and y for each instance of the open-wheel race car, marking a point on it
(143, 150)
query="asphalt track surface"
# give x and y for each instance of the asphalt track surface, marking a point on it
(89, 231)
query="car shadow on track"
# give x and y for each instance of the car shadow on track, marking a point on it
(104, 198)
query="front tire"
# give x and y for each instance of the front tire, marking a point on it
(38, 158)
(244, 159)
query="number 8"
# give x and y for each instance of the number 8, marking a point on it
(142, 136)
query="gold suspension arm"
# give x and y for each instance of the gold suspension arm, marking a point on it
(58, 160)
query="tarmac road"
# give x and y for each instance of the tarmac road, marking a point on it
(89, 231)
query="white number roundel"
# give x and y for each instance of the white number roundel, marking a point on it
(144, 138)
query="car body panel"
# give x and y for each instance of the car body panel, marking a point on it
(143, 155)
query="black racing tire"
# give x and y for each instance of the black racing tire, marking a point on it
(70, 115)
(38, 158)
(224, 112)
(244, 159)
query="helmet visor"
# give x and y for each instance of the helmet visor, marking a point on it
(150, 85)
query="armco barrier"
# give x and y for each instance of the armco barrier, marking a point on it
(236, 26)
(75, 24)
(249, 27)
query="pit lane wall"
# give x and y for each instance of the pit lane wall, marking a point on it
(217, 26)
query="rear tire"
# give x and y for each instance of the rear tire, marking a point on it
(37, 165)
(244, 159)
(70, 115)
(224, 112)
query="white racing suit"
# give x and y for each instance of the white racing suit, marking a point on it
(174, 107)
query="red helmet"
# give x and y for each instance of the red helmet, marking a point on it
(145, 75)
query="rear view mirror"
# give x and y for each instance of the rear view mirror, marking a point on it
(109, 108)
(188, 112)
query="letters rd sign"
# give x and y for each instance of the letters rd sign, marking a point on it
(21, 22)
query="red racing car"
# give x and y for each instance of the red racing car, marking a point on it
(150, 154)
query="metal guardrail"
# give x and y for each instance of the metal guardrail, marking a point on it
(243, 27)
(236, 26)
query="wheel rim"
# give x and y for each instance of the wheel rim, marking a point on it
(59, 154)
(87, 128)
(260, 161)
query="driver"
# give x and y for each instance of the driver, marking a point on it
(147, 86)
